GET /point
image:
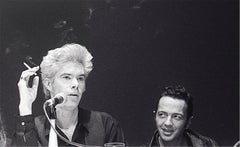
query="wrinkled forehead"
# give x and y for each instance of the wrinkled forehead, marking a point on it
(172, 105)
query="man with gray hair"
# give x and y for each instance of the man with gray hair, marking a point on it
(63, 70)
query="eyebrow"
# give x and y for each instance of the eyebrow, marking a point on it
(179, 114)
(171, 113)
(63, 74)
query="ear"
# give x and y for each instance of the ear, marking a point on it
(84, 88)
(48, 84)
(189, 122)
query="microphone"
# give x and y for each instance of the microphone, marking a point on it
(57, 99)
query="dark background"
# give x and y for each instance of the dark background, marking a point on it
(139, 46)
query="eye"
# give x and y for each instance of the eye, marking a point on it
(66, 77)
(161, 114)
(81, 78)
(177, 117)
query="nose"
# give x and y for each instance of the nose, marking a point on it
(75, 83)
(168, 121)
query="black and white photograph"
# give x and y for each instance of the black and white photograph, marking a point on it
(119, 73)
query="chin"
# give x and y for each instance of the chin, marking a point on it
(164, 138)
(167, 138)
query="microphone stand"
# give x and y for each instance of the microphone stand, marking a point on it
(52, 141)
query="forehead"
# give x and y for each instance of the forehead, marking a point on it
(172, 105)
(71, 68)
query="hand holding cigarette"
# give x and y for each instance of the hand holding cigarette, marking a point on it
(28, 87)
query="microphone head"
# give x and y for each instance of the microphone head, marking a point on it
(57, 99)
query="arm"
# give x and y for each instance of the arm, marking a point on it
(25, 134)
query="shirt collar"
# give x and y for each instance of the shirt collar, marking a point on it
(154, 140)
(83, 119)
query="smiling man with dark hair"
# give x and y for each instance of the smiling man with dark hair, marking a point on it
(173, 117)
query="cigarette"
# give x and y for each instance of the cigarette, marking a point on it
(28, 67)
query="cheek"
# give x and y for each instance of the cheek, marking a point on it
(159, 122)
(180, 125)
(82, 87)
(58, 87)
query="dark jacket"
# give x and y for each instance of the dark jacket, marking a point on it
(93, 128)
(194, 139)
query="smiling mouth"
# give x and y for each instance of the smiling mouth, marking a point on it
(167, 132)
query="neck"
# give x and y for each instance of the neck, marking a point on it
(66, 118)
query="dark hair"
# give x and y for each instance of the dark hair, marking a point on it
(179, 92)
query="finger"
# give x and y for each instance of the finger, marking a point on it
(35, 82)
(33, 70)
(26, 74)
(28, 67)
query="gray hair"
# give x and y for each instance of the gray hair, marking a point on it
(52, 62)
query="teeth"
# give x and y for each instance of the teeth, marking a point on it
(167, 133)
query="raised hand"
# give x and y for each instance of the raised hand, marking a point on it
(27, 94)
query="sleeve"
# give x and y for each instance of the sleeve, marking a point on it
(114, 131)
(25, 134)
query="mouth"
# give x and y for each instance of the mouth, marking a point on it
(167, 132)
(73, 95)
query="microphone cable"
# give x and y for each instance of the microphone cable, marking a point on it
(59, 135)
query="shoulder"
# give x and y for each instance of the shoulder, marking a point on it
(100, 122)
(96, 117)
(103, 116)
(106, 117)
(198, 139)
